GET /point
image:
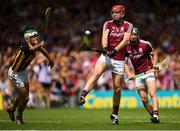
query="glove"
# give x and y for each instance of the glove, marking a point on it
(104, 50)
(112, 52)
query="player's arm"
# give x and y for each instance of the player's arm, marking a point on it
(125, 41)
(37, 47)
(126, 38)
(46, 54)
(105, 38)
(105, 34)
(153, 55)
(128, 71)
(154, 58)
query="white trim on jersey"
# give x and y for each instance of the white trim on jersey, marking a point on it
(104, 26)
(150, 45)
(130, 27)
(147, 42)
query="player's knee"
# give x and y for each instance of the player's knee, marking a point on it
(153, 95)
(117, 89)
(144, 99)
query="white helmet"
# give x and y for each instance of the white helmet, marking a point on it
(29, 33)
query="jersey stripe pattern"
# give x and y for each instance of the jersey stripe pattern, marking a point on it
(23, 58)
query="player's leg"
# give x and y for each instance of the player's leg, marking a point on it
(100, 67)
(151, 84)
(143, 93)
(13, 79)
(11, 109)
(24, 94)
(117, 81)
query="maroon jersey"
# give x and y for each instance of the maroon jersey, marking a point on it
(139, 54)
(116, 33)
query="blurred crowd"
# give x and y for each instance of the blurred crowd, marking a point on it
(158, 21)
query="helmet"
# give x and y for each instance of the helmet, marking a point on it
(118, 8)
(135, 31)
(30, 32)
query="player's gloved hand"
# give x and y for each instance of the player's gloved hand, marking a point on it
(104, 50)
(51, 63)
(112, 52)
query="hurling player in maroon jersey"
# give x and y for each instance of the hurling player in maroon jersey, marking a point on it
(116, 34)
(143, 59)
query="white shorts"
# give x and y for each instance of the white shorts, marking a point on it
(141, 81)
(19, 79)
(115, 66)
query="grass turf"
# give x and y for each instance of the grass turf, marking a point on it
(94, 119)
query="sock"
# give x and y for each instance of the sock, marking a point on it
(21, 107)
(155, 112)
(115, 109)
(84, 93)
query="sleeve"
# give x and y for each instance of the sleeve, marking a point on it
(24, 47)
(106, 27)
(129, 27)
(150, 48)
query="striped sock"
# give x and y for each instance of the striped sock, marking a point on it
(115, 109)
(84, 93)
(155, 112)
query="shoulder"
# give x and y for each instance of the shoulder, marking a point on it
(109, 22)
(128, 26)
(108, 25)
(127, 23)
(24, 47)
(146, 43)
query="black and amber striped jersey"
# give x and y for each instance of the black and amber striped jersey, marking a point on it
(23, 58)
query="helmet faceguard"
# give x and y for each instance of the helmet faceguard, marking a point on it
(29, 33)
(135, 31)
(134, 35)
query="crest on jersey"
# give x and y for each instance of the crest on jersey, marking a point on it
(122, 29)
(140, 50)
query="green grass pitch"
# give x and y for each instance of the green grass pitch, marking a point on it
(93, 119)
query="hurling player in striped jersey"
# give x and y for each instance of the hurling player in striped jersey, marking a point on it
(17, 72)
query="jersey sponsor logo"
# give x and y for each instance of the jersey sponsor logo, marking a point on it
(136, 56)
(117, 32)
(122, 29)
(136, 53)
